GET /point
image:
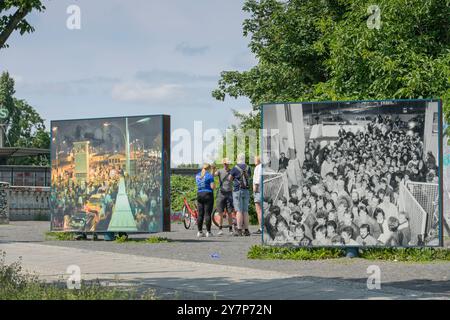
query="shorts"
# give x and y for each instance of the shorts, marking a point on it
(257, 197)
(224, 201)
(240, 200)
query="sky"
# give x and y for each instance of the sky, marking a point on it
(131, 57)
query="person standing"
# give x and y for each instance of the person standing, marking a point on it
(294, 169)
(283, 162)
(240, 175)
(257, 190)
(225, 195)
(205, 199)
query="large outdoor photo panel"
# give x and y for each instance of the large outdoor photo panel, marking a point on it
(360, 173)
(110, 174)
(446, 180)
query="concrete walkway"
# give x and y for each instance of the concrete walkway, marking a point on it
(192, 280)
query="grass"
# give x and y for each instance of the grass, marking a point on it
(59, 236)
(386, 254)
(15, 284)
(151, 240)
(70, 236)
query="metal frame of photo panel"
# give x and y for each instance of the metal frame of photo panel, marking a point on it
(439, 164)
(445, 186)
(165, 169)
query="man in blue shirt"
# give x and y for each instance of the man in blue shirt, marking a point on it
(240, 175)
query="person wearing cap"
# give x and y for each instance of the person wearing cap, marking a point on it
(224, 199)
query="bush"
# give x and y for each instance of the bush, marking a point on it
(406, 254)
(18, 285)
(285, 253)
(180, 187)
(387, 254)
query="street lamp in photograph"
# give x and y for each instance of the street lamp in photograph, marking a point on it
(126, 137)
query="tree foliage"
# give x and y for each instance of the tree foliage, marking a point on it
(12, 17)
(324, 50)
(24, 126)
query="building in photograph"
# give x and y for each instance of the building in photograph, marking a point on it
(81, 155)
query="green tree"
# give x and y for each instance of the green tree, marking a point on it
(325, 50)
(24, 126)
(12, 17)
(233, 142)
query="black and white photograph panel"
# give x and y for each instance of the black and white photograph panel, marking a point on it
(351, 174)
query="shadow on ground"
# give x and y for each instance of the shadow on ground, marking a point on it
(290, 288)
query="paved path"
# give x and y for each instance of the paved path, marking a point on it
(424, 279)
(183, 279)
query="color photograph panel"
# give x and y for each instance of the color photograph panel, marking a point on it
(351, 174)
(107, 175)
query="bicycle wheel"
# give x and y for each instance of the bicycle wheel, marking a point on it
(216, 218)
(186, 217)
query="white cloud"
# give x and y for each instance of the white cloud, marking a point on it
(155, 76)
(74, 87)
(188, 50)
(141, 92)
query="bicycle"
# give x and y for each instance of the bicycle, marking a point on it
(189, 213)
(225, 223)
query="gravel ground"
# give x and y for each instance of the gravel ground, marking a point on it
(227, 250)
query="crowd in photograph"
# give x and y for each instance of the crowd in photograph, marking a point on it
(346, 191)
(85, 205)
(88, 204)
(144, 193)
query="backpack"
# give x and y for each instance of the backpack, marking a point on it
(243, 180)
(221, 183)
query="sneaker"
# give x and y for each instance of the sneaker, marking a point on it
(220, 232)
(237, 233)
(209, 234)
(257, 232)
(247, 233)
(200, 234)
(230, 231)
